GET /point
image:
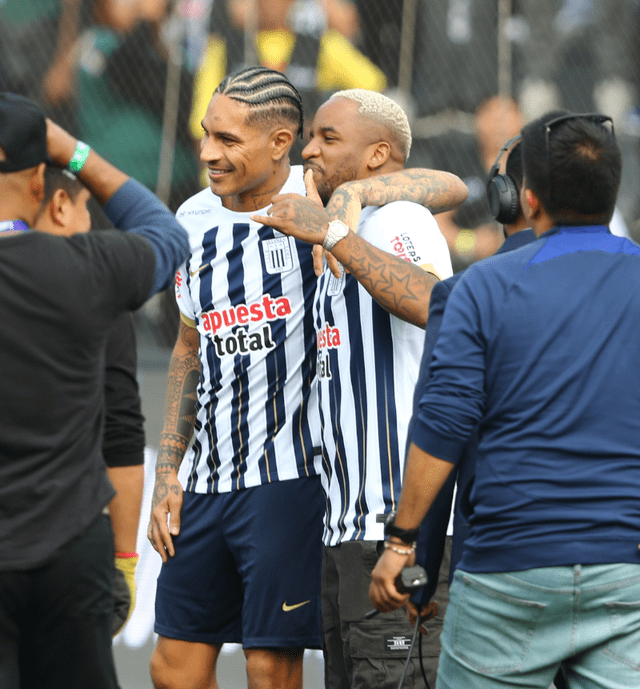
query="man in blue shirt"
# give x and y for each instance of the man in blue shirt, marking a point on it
(539, 346)
(431, 543)
(437, 548)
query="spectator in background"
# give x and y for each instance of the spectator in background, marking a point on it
(23, 59)
(316, 64)
(587, 60)
(117, 72)
(57, 89)
(34, 34)
(313, 16)
(64, 213)
(470, 230)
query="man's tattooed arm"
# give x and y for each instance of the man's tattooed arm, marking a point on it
(179, 419)
(400, 287)
(436, 190)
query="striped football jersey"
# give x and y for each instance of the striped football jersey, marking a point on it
(248, 289)
(368, 362)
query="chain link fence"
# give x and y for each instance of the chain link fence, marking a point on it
(132, 78)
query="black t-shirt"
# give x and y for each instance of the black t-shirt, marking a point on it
(124, 437)
(60, 297)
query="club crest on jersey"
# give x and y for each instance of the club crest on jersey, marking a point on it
(277, 254)
(256, 316)
(336, 285)
(326, 339)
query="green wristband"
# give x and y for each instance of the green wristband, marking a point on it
(79, 157)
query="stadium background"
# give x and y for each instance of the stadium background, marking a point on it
(120, 74)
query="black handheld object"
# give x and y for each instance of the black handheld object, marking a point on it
(502, 192)
(409, 581)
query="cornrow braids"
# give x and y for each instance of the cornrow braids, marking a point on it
(269, 94)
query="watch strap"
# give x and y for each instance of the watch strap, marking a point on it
(409, 536)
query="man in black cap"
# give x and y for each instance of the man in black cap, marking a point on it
(60, 296)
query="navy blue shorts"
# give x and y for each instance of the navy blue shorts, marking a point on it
(247, 568)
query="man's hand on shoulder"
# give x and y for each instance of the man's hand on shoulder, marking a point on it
(306, 219)
(298, 216)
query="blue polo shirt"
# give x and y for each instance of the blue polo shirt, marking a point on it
(541, 346)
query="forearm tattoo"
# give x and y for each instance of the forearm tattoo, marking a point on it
(180, 406)
(398, 286)
(436, 190)
(307, 216)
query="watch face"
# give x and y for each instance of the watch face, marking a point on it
(338, 228)
(336, 231)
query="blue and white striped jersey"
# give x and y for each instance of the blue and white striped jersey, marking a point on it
(368, 364)
(249, 289)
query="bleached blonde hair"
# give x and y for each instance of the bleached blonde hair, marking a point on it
(384, 111)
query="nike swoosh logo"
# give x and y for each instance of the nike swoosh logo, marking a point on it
(195, 272)
(288, 608)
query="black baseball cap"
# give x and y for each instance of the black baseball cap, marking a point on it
(23, 133)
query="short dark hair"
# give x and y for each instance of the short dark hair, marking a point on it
(574, 168)
(270, 95)
(57, 178)
(514, 165)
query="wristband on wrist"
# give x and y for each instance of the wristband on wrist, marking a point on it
(399, 551)
(79, 157)
(127, 555)
(408, 536)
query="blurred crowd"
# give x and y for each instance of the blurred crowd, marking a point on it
(132, 77)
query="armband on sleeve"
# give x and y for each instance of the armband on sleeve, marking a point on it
(187, 321)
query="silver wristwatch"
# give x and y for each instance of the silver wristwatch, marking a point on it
(337, 231)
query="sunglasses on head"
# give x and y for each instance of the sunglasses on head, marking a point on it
(590, 117)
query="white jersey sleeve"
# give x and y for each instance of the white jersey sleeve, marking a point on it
(183, 296)
(410, 232)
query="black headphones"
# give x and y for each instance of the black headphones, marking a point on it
(502, 192)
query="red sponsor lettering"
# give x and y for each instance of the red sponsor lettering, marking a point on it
(242, 312)
(266, 309)
(403, 248)
(328, 337)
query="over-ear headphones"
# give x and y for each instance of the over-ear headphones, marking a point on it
(502, 192)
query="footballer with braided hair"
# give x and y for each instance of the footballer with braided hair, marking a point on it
(240, 382)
